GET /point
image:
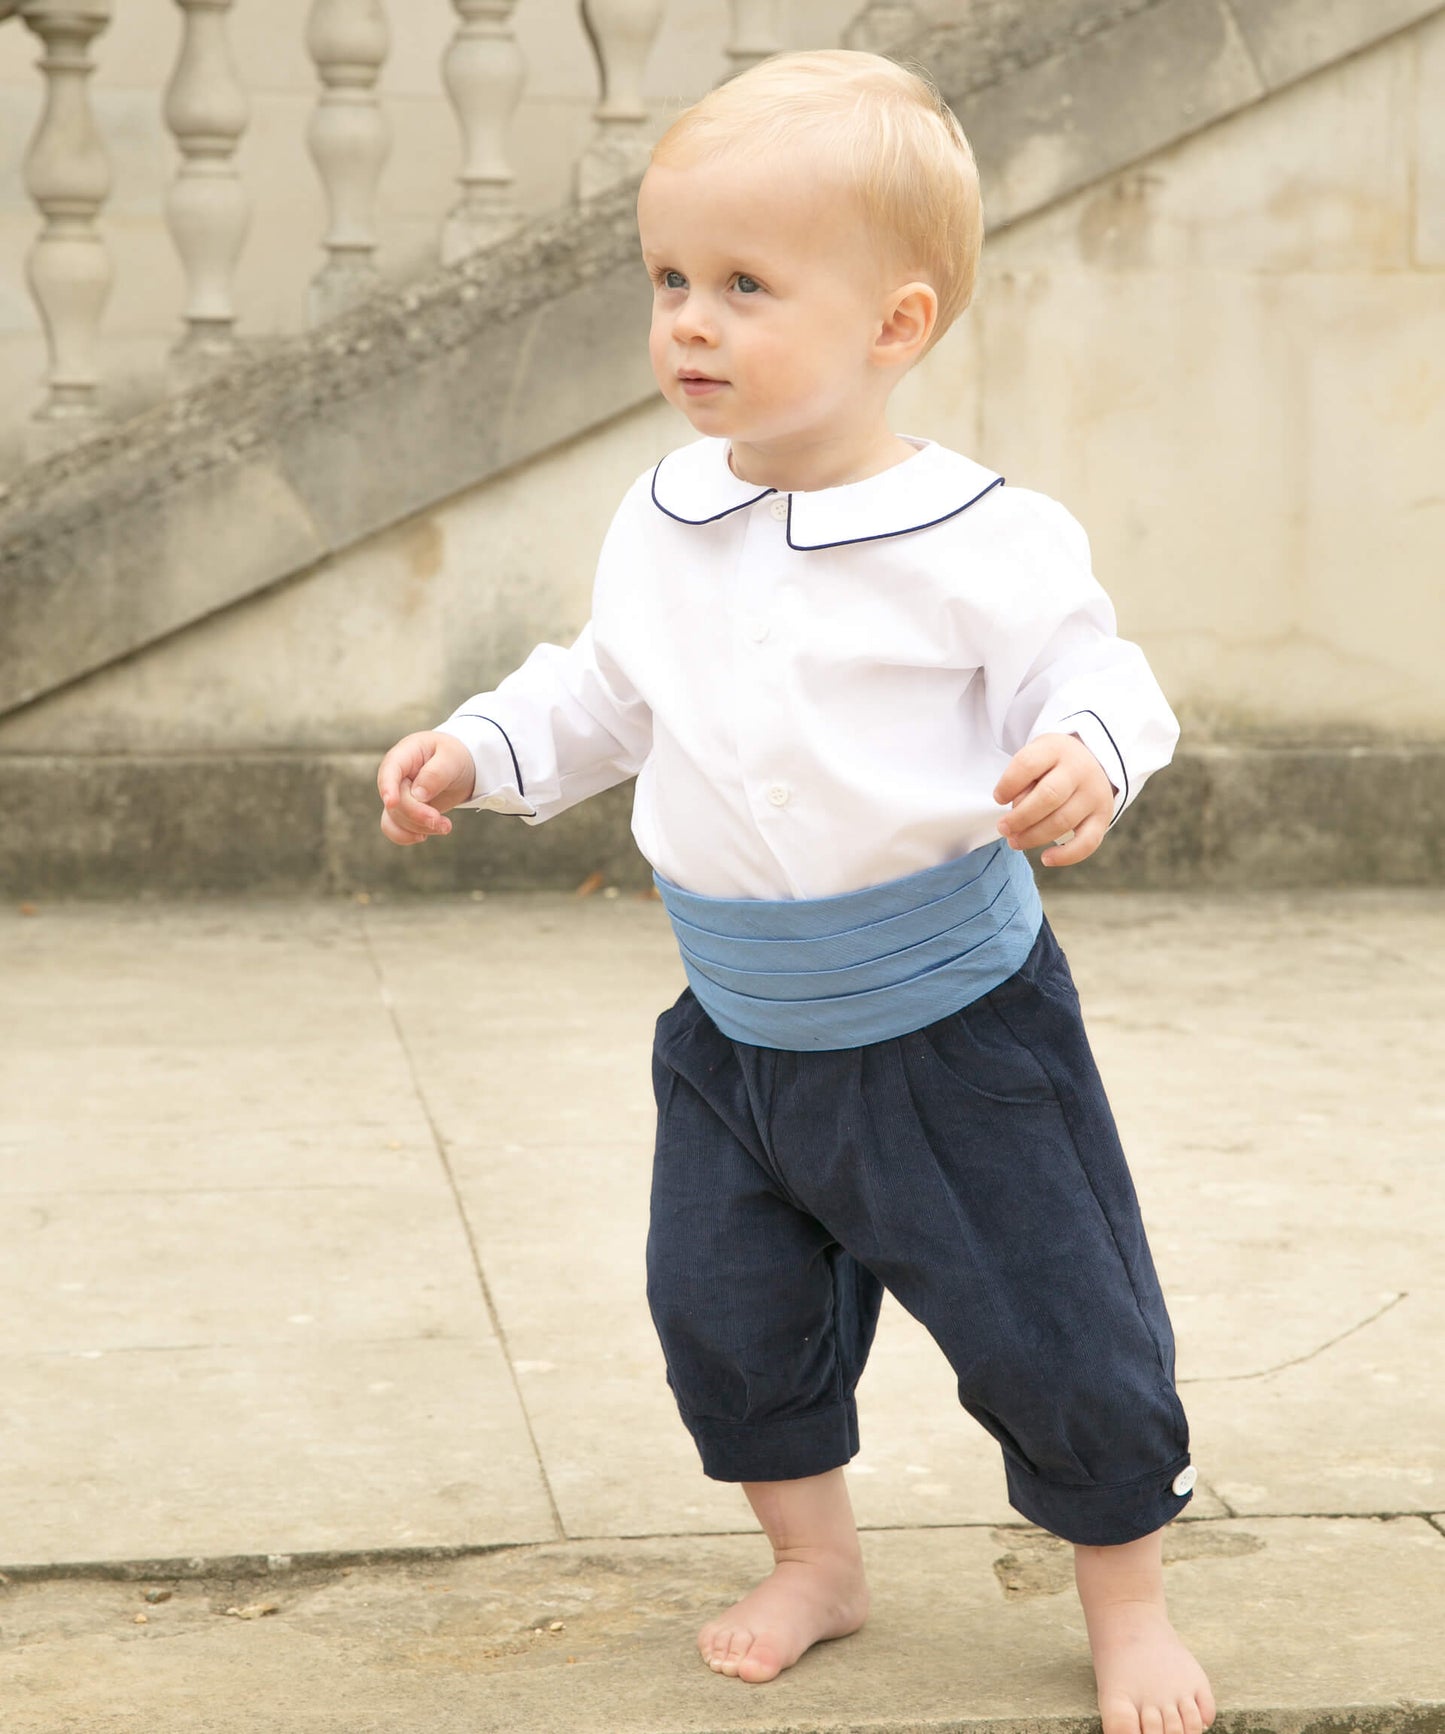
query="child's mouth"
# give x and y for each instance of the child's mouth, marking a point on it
(698, 384)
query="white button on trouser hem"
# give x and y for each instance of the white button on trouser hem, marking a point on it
(778, 795)
(1184, 1481)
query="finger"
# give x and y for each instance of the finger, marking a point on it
(1026, 766)
(1086, 839)
(403, 761)
(414, 809)
(420, 812)
(402, 834)
(1052, 826)
(413, 819)
(1046, 798)
(1005, 823)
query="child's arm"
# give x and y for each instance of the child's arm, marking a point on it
(564, 726)
(1075, 706)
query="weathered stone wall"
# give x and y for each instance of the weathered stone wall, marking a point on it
(1229, 361)
(1224, 359)
(1226, 362)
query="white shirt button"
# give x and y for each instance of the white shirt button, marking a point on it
(758, 630)
(779, 794)
(779, 507)
(1184, 1481)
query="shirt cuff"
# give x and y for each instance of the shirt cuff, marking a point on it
(1092, 731)
(498, 787)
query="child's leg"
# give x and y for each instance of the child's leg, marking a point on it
(1148, 1682)
(766, 1324)
(816, 1589)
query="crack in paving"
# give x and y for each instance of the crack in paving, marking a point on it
(440, 1146)
(280, 1567)
(1211, 1492)
(1299, 1360)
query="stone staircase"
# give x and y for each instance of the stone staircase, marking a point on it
(276, 465)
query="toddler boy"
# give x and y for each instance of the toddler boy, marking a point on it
(855, 676)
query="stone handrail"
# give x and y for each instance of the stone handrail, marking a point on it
(205, 107)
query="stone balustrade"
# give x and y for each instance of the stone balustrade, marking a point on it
(483, 75)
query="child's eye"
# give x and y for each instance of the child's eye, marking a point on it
(672, 280)
(749, 286)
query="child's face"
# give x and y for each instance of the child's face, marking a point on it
(767, 298)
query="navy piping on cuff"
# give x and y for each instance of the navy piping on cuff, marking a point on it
(884, 535)
(516, 768)
(1098, 1516)
(785, 1449)
(1123, 768)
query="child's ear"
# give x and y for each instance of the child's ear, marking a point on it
(908, 321)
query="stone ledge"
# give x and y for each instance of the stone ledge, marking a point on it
(1337, 1641)
(1227, 816)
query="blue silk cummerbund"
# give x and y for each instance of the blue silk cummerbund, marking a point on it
(817, 973)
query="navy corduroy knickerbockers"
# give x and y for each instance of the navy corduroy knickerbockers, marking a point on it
(973, 1169)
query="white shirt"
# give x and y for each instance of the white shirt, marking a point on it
(819, 691)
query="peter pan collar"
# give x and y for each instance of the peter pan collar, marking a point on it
(696, 485)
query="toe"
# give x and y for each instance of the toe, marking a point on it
(732, 1648)
(713, 1641)
(1119, 1716)
(1151, 1719)
(1205, 1701)
(1173, 1719)
(1190, 1715)
(761, 1663)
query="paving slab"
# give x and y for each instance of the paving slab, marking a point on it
(235, 1449)
(85, 1159)
(115, 1271)
(1301, 1623)
(1356, 1428)
(324, 1227)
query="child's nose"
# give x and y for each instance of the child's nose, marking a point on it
(693, 322)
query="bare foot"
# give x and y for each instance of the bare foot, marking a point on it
(804, 1601)
(1148, 1682)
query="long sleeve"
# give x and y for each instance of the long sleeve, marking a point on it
(1054, 663)
(564, 726)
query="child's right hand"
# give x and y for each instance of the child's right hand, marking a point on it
(420, 778)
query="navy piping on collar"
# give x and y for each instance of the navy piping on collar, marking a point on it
(1123, 768)
(516, 768)
(726, 512)
(884, 535)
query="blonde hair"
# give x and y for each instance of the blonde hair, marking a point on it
(885, 131)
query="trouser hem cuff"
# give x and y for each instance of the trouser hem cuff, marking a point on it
(782, 1450)
(1099, 1516)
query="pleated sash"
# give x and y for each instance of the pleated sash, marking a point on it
(811, 974)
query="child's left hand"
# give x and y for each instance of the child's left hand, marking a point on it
(1055, 785)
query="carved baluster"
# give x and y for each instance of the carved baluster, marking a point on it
(484, 73)
(622, 33)
(350, 140)
(67, 173)
(207, 209)
(756, 34)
